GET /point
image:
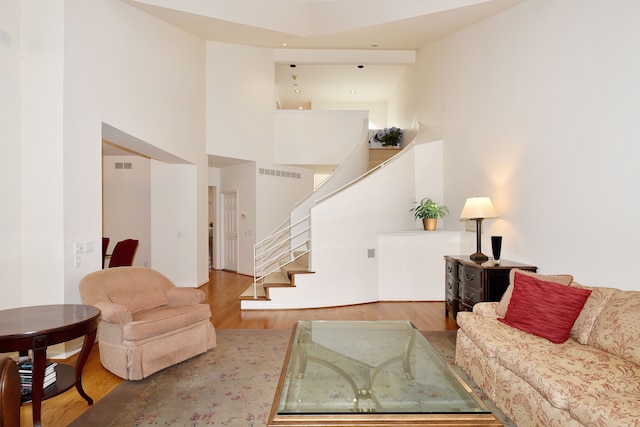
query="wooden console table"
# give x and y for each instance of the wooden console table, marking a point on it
(37, 327)
(468, 282)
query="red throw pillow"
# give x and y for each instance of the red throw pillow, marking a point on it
(546, 309)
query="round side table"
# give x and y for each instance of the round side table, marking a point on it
(37, 327)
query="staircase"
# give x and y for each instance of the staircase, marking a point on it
(285, 277)
(279, 257)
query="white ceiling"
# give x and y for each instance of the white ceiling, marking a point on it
(325, 24)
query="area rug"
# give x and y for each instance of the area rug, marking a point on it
(231, 385)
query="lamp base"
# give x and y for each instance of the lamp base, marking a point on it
(478, 256)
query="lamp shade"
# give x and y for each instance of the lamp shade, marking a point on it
(478, 207)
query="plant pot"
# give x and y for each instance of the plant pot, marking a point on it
(429, 223)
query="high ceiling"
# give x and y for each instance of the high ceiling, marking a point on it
(289, 25)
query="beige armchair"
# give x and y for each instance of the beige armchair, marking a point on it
(147, 322)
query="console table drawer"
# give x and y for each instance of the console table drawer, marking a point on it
(471, 276)
(452, 285)
(470, 294)
(452, 269)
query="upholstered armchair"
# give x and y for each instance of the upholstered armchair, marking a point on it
(147, 322)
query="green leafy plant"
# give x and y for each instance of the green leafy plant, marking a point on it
(427, 208)
(388, 136)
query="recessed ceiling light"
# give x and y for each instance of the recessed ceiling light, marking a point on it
(360, 66)
(297, 91)
(285, 44)
(300, 108)
(292, 65)
(353, 92)
(375, 45)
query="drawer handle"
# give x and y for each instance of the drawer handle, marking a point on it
(449, 269)
(468, 276)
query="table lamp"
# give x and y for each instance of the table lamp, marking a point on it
(478, 208)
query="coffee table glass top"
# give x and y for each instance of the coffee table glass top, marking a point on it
(383, 367)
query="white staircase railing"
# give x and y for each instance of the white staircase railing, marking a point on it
(288, 243)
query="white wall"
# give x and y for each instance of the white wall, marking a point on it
(145, 78)
(277, 194)
(240, 101)
(11, 159)
(377, 110)
(127, 205)
(44, 235)
(84, 64)
(173, 227)
(538, 107)
(316, 137)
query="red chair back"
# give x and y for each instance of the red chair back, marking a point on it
(123, 253)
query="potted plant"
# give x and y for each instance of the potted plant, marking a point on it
(388, 136)
(429, 212)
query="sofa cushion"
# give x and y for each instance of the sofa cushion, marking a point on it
(563, 279)
(592, 308)
(142, 299)
(607, 409)
(544, 308)
(617, 328)
(563, 372)
(156, 321)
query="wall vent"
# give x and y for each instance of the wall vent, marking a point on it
(120, 165)
(282, 174)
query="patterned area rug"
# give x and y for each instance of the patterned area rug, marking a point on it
(231, 385)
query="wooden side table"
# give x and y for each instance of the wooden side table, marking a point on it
(468, 282)
(37, 327)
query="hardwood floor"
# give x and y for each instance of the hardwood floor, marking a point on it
(222, 293)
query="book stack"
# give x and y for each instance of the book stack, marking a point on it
(26, 378)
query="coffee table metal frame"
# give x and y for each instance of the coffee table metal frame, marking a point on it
(298, 358)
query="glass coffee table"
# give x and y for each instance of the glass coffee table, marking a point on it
(367, 373)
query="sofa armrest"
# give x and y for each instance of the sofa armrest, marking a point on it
(486, 309)
(114, 313)
(180, 297)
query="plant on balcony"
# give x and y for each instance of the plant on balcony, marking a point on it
(429, 211)
(388, 136)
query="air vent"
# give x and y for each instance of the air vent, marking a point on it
(282, 174)
(120, 165)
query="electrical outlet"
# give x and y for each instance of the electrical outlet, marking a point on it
(78, 248)
(78, 261)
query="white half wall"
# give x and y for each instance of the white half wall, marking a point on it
(411, 265)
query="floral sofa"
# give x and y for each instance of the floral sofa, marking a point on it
(590, 379)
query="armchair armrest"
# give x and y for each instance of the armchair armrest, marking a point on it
(179, 297)
(114, 313)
